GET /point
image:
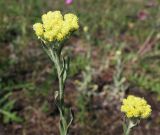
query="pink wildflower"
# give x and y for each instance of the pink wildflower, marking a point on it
(68, 2)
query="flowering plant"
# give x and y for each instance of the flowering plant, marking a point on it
(53, 31)
(135, 108)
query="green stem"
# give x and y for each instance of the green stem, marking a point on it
(60, 79)
(56, 59)
(129, 126)
(65, 113)
(128, 131)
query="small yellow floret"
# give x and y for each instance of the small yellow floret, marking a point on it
(38, 28)
(49, 35)
(85, 28)
(136, 107)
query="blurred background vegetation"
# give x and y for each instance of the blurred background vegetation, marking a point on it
(28, 81)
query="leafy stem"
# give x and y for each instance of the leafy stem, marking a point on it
(62, 67)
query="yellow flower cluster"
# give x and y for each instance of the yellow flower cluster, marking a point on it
(136, 107)
(55, 26)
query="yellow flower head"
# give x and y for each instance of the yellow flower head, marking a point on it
(136, 107)
(55, 27)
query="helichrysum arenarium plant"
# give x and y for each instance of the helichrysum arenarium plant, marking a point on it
(52, 31)
(135, 109)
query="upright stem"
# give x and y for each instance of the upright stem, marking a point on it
(60, 79)
(128, 131)
(129, 126)
(65, 113)
(57, 61)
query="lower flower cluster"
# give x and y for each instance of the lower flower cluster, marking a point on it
(136, 107)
